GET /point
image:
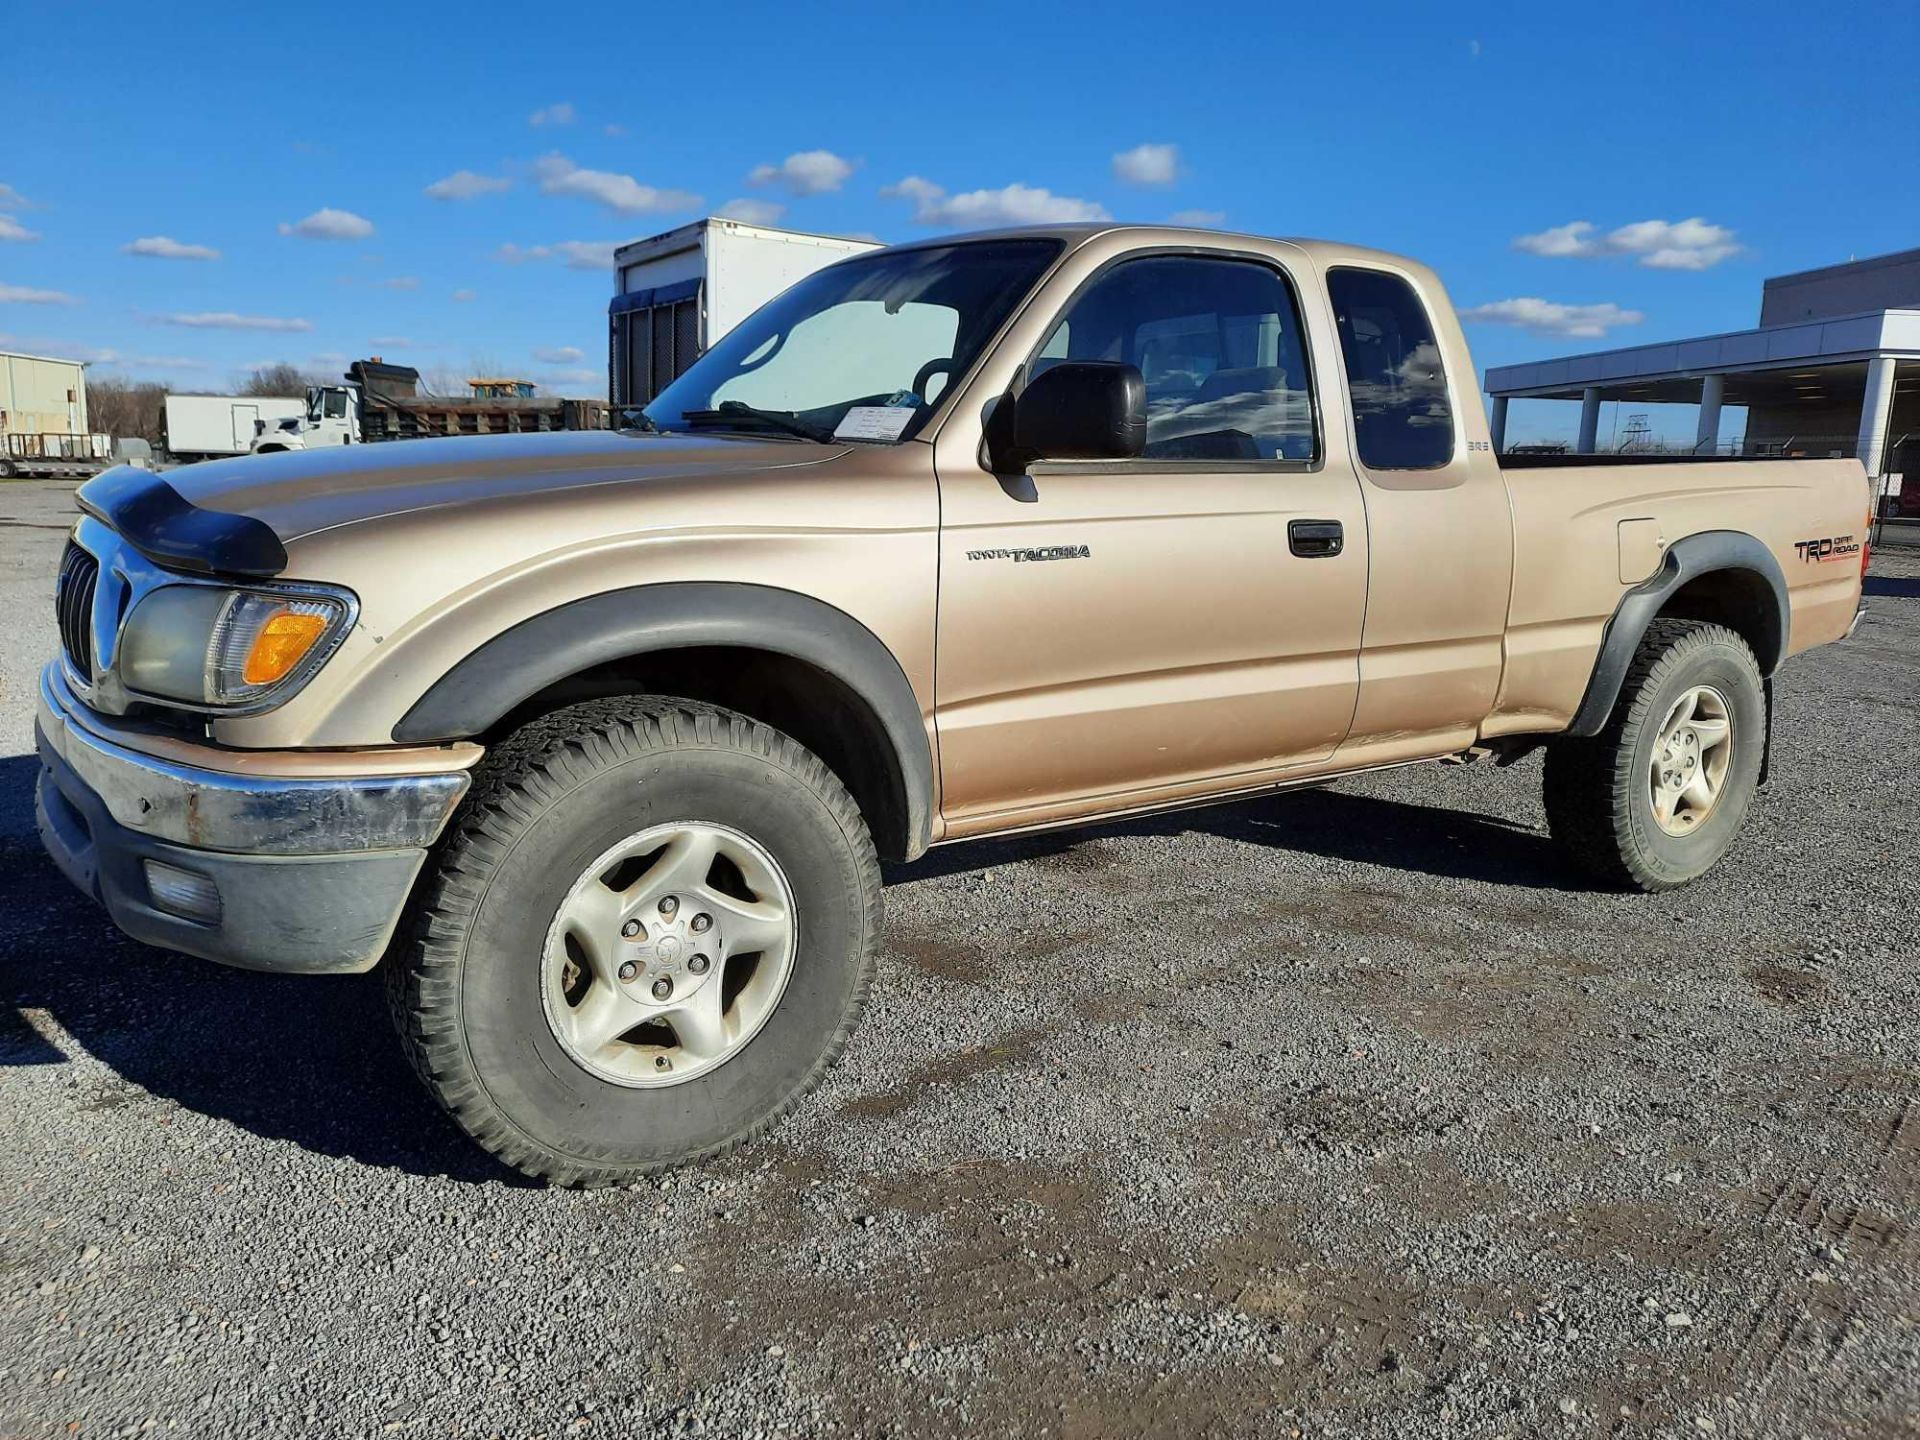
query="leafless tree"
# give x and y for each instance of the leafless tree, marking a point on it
(279, 380)
(125, 409)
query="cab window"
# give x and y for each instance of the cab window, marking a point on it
(1402, 416)
(1219, 344)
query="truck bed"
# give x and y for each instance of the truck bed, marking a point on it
(1589, 528)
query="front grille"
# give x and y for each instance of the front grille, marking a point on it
(79, 573)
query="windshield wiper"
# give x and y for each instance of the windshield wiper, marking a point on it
(735, 411)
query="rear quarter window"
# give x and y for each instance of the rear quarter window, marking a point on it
(1402, 416)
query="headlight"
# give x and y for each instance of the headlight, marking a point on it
(209, 646)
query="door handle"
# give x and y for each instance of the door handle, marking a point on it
(1316, 539)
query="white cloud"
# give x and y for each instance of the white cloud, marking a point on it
(106, 355)
(27, 295)
(163, 247)
(578, 254)
(1548, 317)
(1561, 241)
(1147, 165)
(614, 130)
(12, 229)
(1473, 48)
(1683, 245)
(465, 296)
(809, 172)
(1657, 244)
(228, 320)
(392, 342)
(12, 199)
(560, 355)
(1013, 205)
(116, 360)
(330, 224)
(402, 282)
(160, 362)
(561, 114)
(466, 185)
(560, 176)
(1205, 219)
(752, 212)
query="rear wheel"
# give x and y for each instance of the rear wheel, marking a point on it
(1658, 796)
(650, 932)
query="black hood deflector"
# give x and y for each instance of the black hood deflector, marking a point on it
(167, 528)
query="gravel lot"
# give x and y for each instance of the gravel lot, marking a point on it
(1345, 1113)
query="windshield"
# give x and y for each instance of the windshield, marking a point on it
(862, 350)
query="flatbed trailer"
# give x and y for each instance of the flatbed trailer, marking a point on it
(53, 456)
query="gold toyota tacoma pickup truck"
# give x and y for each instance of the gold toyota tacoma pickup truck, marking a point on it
(594, 739)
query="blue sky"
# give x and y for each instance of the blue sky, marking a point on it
(301, 145)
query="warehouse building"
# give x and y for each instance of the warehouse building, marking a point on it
(1833, 368)
(41, 396)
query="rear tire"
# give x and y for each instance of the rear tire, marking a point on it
(564, 814)
(1651, 802)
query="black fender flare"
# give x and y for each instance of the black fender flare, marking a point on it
(1685, 560)
(545, 649)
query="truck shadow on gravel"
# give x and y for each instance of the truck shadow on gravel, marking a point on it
(306, 1059)
(1361, 829)
(312, 1060)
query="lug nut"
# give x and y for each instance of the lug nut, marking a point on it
(632, 929)
(702, 924)
(698, 964)
(628, 970)
(662, 988)
(668, 906)
(661, 1062)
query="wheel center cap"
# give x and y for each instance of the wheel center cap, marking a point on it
(668, 948)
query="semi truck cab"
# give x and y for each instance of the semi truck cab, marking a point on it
(332, 418)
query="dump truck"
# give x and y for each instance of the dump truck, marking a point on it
(378, 401)
(595, 741)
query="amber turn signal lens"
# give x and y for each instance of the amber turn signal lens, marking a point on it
(281, 644)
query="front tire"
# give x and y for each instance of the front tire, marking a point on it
(1659, 795)
(649, 933)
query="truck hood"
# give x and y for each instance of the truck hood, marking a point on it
(238, 515)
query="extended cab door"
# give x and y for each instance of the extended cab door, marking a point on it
(1439, 523)
(1120, 632)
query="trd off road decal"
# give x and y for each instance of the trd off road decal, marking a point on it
(1834, 547)
(1023, 554)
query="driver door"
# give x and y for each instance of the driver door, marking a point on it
(1118, 633)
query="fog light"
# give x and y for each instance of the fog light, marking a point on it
(183, 892)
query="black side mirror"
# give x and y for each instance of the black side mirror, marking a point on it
(1078, 410)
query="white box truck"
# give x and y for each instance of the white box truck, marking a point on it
(677, 293)
(204, 427)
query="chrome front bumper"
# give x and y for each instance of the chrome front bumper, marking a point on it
(281, 871)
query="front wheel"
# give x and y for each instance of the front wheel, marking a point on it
(1659, 795)
(649, 933)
